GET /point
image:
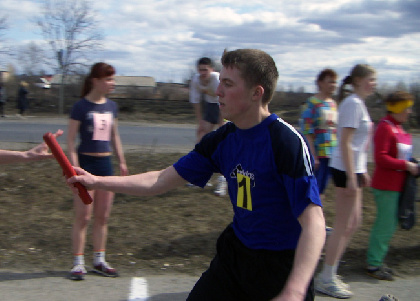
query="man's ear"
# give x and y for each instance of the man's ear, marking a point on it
(258, 92)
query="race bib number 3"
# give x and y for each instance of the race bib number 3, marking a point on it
(102, 125)
(244, 199)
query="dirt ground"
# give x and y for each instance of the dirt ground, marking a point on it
(173, 232)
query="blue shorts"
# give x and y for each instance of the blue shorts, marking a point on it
(98, 166)
(322, 174)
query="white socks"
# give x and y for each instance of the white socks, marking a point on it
(328, 272)
(79, 259)
(98, 257)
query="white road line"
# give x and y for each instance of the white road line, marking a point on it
(138, 291)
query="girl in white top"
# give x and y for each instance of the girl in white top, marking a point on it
(353, 115)
(349, 172)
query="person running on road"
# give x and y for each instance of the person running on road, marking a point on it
(206, 106)
(271, 249)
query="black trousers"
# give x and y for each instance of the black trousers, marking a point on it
(240, 273)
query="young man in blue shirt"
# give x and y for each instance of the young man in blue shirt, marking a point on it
(271, 249)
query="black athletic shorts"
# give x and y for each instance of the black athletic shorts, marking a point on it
(211, 112)
(340, 178)
(243, 274)
(98, 166)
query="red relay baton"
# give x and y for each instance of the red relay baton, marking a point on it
(68, 170)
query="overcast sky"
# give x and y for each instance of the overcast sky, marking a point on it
(163, 38)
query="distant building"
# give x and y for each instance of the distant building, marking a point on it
(131, 85)
(4, 76)
(124, 85)
(134, 81)
(71, 79)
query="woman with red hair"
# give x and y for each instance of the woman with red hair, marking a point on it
(94, 117)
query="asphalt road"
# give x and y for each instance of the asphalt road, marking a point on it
(16, 133)
(150, 137)
(54, 286)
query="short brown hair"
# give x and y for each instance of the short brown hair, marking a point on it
(256, 68)
(398, 96)
(325, 73)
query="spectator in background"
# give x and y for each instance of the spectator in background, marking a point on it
(206, 106)
(3, 98)
(94, 118)
(319, 121)
(349, 173)
(392, 152)
(203, 97)
(22, 98)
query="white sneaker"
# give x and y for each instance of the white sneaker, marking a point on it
(339, 281)
(221, 186)
(333, 288)
(78, 272)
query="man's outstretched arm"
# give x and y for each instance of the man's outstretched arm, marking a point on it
(145, 184)
(39, 152)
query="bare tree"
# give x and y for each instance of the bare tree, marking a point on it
(70, 28)
(3, 27)
(31, 58)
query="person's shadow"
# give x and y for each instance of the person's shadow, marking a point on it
(12, 276)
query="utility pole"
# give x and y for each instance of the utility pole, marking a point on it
(61, 90)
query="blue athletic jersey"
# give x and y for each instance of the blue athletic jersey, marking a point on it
(84, 111)
(270, 179)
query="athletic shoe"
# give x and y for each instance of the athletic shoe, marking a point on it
(105, 269)
(388, 270)
(333, 288)
(78, 272)
(381, 273)
(388, 298)
(339, 281)
(221, 186)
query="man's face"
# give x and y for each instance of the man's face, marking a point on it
(204, 71)
(235, 98)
